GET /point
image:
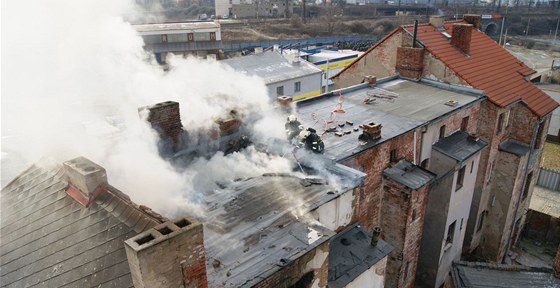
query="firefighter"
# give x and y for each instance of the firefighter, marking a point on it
(293, 127)
(312, 140)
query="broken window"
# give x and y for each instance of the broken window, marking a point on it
(394, 155)
(465, 123)
(441, 131)
(450, 233)
(500, 123)
(460, 178)
(297, 86)
(280, 91)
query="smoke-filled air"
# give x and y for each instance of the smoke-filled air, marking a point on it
(73, 76)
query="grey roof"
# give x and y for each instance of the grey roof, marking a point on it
(459, 146)
(147, 29)
(252, 226)
(351, 254)
(399, 105)
(545, 201)
(475, 274)
(409, 175)
(49, 240)
(514, 147)
(272, 67)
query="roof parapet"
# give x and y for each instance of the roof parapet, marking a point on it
(86, 180)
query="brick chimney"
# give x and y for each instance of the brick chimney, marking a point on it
(436, 21)
(461, 36)
(473, 19)
(410, 62)
(86, 180)
(371, 131)
(165, 118)
(168, 255)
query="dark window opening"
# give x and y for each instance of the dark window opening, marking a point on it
(450, 233)
(460, 178)
(527, 185)
(500, 123)
(413, 214)
(442, 132)
(539, 141)
(472, 166)
(424, 163)
(465, 123)
(481, 220)
(305, 281)
(280, 91)
(394, 156)
(461, 227)
(297, 86)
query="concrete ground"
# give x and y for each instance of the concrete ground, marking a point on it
(532, 253)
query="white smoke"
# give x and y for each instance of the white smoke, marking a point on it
(74, 74)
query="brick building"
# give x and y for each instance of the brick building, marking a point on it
(511, 120)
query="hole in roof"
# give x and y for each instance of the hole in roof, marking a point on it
(345, 242)
(144, 239)
(164, 230)
(182, 223)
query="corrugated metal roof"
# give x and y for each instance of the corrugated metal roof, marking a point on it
(474, 274)
(49, 240)
(351, 254)
(272, 67)
(488, 67)
(459, 146)
(409, 175)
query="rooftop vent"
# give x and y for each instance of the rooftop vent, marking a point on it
(86, 180)
(371, 131)
(452, 103)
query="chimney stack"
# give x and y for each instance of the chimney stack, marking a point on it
(165, 118)
(437, 21)
(371, 131)
(86, 180)
(410, 62)
(473, 19)
(168, 255)
(461, 36)
(376, 235)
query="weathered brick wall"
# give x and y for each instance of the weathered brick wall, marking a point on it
(403, 213)
(410, 62)
(461, 36)
(372, 162)
(312, 267)
(523, 123)
(434, 68)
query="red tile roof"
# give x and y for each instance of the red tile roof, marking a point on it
(489, 67)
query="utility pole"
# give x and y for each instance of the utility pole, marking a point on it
(556, 33)
(502, 31)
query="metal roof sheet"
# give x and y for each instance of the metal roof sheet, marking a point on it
(48, 239)
(272, 67)
(351, 254)
(409, 105)
(409, 175)
(459, 146)
(167, 27)
(488, 67)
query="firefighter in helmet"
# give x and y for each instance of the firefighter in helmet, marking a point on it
(312, 140)
(293, 127)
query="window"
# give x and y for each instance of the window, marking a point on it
(213, 36)
(413, 215)
(297, 86)
(280, 91)
(507, 118)
(527, 185)
(539, 139)
(441, 131)
(465, 124)
(460, 178)
(394, 155)
(500, 123)
(450, 233)
(481, 220)
(472, 166)
(461, 227)
(489, 172)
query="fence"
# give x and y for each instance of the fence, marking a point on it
(295, 43)
(549, 179)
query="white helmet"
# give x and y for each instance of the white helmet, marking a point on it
(303, 134)
(292, 118)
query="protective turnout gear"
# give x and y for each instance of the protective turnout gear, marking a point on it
(293, 127)
(312, 141)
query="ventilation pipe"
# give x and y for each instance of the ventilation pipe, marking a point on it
(376, 235)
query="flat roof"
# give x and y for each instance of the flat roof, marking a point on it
(514, 147)
(163, 27)
(399, 105)
(409, 175)
(351, 254)
(255, 227)
(272, 67)
(545, 201)
(459, 146)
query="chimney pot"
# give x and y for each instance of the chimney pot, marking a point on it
(371, 131)
(461, 36)
(436, 21)
(371, 80)
(473, 19)
(86, 180)
(375, 236)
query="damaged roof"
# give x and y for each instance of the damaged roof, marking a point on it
(459, 145)
(271, 66)
(351, 254)
(478, 274)
(254, 227)
(398, 105)
(409, 175)
(488, 67)
(49, 240)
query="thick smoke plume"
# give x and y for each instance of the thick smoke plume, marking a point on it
(74, 74)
